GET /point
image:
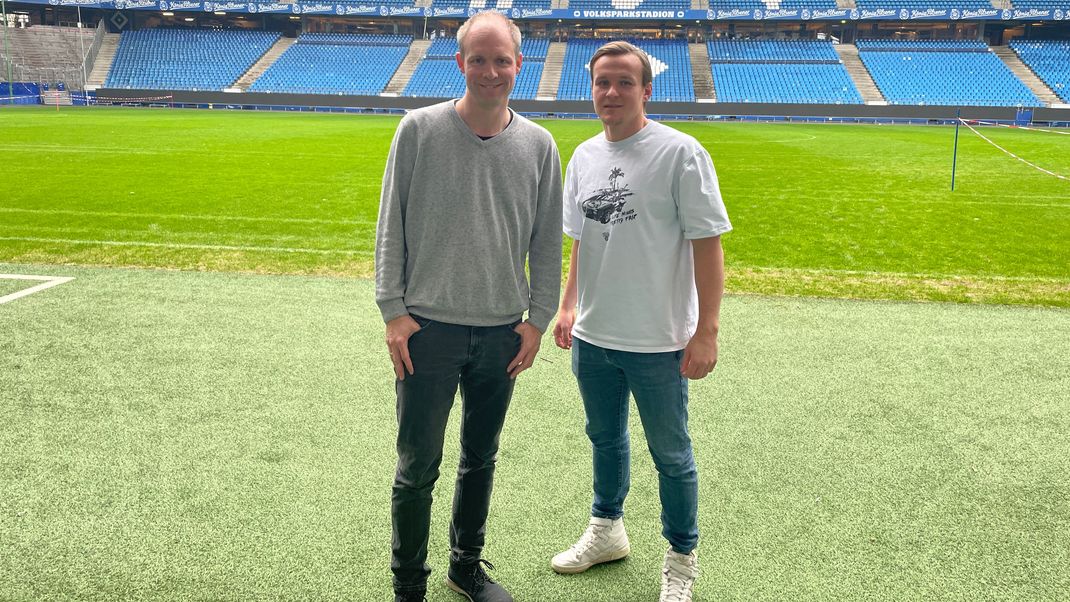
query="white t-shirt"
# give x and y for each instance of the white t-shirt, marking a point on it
(635, 205)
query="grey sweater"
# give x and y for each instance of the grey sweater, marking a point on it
(459, 216)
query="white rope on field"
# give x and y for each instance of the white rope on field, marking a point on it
(1033, 165)
(1020, 127)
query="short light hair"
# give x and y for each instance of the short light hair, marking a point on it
(620, 49)
(514, 31)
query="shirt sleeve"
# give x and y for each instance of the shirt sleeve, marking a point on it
(390, 248)
(699, 205)
(572, 219)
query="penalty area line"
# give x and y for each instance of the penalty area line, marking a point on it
(48, 282)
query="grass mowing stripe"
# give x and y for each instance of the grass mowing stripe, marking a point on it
(125, 243)
(837, 199)
(222, 218)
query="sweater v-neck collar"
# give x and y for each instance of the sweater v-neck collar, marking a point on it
(472, 136)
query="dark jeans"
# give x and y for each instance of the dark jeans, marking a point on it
(443, 357)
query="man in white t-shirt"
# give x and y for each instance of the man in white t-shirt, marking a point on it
(641, 306)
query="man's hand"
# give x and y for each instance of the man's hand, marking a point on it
(700, 356)
(530, 339)
(563, 329)
(398, 332)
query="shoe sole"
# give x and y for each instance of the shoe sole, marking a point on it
(457, 588)
(572, 570)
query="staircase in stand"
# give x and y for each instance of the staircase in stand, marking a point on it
(871, 95)
(551, 71)
(259, 67)
(701, 73)
(401, 78)
(1023, 72)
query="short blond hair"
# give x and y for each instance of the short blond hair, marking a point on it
(620, 49)
(514, 31)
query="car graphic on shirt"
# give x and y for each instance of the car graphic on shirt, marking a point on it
(607, 202)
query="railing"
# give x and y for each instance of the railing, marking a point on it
(90, 58)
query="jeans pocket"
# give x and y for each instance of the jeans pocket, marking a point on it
(421, 321)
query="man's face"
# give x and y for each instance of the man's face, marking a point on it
(489, 62)
(618, 91)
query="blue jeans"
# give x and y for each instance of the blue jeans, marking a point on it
(605, 378)
(445, 356)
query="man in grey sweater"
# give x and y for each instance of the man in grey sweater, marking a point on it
(472, 192)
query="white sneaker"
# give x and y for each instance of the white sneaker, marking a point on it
(678, 576)
(603, 541)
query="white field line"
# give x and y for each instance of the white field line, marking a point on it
(179, 216)
(925, 275)
(164, 245)
(49, 282)
(1009, 153)
(1019, 127)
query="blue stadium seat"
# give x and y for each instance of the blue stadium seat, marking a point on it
(1050, 60)
(324, 63)
(437, 75)
(670, 61)
(780, 71)
(185, 59)
(942, 72)
(629, 4)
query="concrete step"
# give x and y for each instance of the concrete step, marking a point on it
(701, 75)
(1029, 77)
(105, 57)
(54, 98)
(263, 63)
(551, 71)
(408, 65)
(871, 94)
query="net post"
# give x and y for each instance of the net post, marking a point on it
(955, 153)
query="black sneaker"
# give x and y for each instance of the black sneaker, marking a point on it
(409, 597)
(472, 582)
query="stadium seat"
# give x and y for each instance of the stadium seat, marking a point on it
(780, 71)
(670, 62)
(185, 59)
(942, 72)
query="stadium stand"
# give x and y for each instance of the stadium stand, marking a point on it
(524, 4)
(810, 4)
(924, 4)
(670, 63)
(462, 4)
(46, 54)
(185, 59)
(799, 71)
(324, 63)
(942, 72)
(629, 4)
(730, 4)
(1050, 60)
(437, 76)
(1041, 4)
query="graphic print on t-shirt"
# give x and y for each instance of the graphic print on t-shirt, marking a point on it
(606, 205)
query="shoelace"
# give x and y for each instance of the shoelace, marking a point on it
(479, 576)
(675, 583)
(589, 537)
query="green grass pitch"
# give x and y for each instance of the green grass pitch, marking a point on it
(222, 428)
(205, 436)
(835, 211)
